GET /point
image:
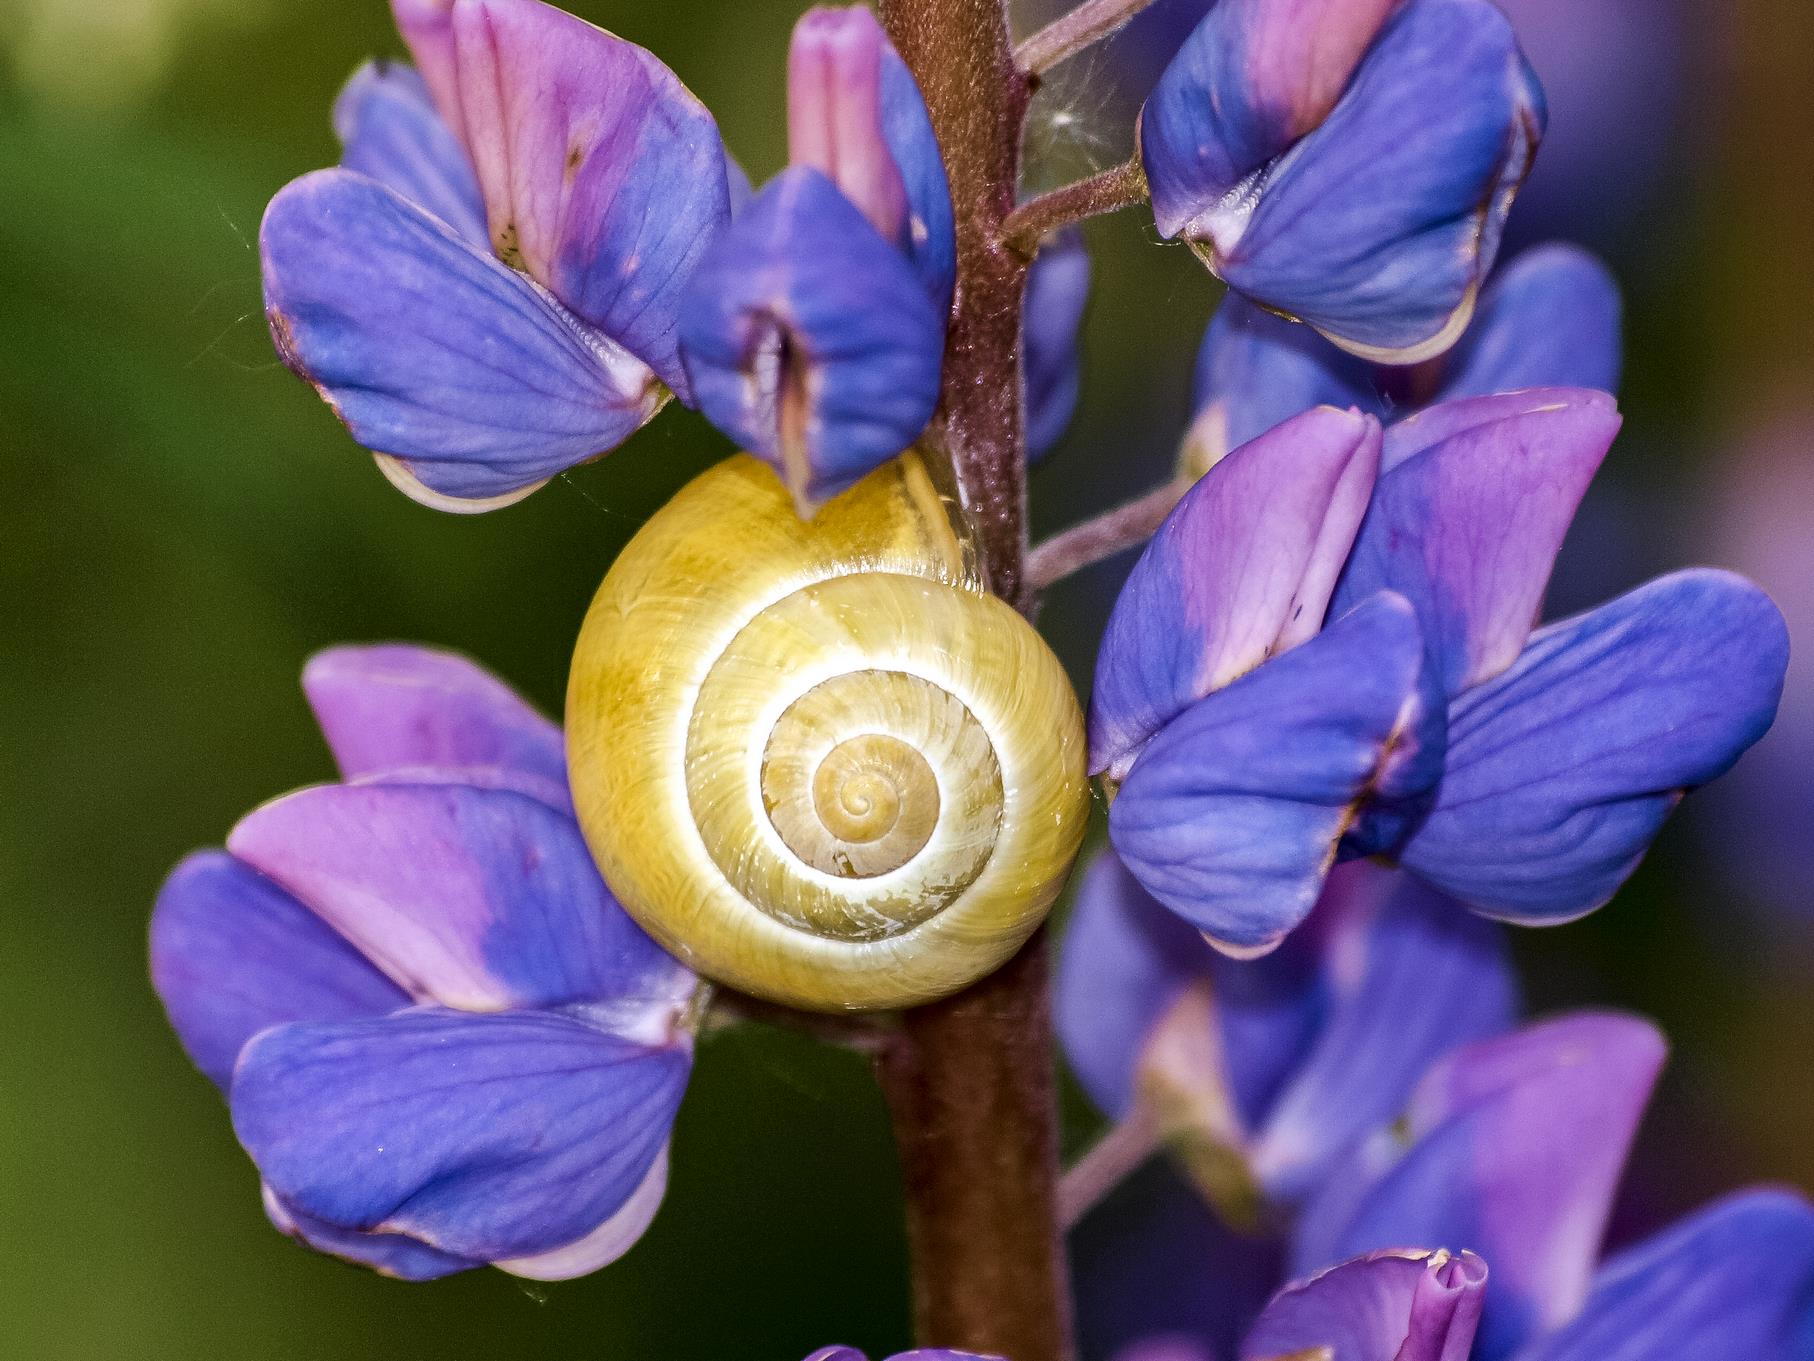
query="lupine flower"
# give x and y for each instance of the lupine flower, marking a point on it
(1550, 318)
(1614, 75)
(496, 282)
(1514, 1146)
(443, 1042)
(486, 290)
(921, 1354)
(1522, 772)
(1257, 1076)
(1347, 165)
(1510, 1149)
(1262, 1074)
(814, 330)
(1058, 289)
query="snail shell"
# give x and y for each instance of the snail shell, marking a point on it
(816, 760)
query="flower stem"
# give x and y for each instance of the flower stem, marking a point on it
(958, 50)
(970, 1081)
(1111, 1160)
(1065, 37)
(1118, 187)
(1095, 540)
(972, 1094)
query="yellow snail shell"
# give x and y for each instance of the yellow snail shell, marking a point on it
(816, 760)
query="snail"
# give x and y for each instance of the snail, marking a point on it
(816, 760)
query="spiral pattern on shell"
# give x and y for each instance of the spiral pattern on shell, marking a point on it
(815, 759)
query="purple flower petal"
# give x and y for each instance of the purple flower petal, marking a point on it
(1512, 1146)
(1241, 569)
(1393, 1305)
(811, 340)
(396, 708)
(1562, 769)
(468, 380)
(1411, 976)
(1256, 370)
(474, 898)
(232, 953)
(604, 178)
(427, 29)
(1124, 962)
(1232, 814)
(488, 1137)
(1468, 528)
(389, 1254)
(834, 112)
(1058, 289)
(1379, 226)
(1734, 1282)
(1251, 79)
(1551, 318)
(389, 131)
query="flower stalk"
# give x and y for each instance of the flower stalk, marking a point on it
(970, 1083)
(1100, 538)
(1073, 32)
(1108, 191)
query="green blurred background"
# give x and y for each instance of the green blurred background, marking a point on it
(182, 524)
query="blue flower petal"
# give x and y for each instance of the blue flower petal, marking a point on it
(1243, 567)
(1550, 318)
(1252, 78)
(475, 383)
(479, 898)
(931, 229)
(1123, 962)
(389, 1254)
(389, 130)
(1232, 814)
(1468, 528)
(1513, 1145)
(1378, 227)
(1058, 288)
(487, 1137)
(1733, 1282)
(232, 954)
(811, 341)
(1561, 770)
(401, 709)
(1256, 370)
(1412, 976)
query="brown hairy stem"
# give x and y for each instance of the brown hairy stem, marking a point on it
(970, 1081)
(1108, 191)
(958, 50)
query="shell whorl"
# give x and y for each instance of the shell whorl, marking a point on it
(815, 759)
